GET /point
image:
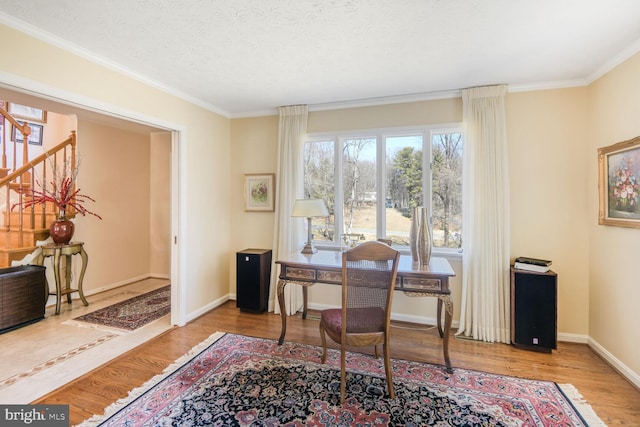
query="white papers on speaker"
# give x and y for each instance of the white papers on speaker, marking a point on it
(531, 267)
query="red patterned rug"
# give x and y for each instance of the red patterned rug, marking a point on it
(133, 313)
(242, 381)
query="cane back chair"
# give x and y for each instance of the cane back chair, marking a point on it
(368, 278)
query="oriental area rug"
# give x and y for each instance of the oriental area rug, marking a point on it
(133, 313)
(233, 380)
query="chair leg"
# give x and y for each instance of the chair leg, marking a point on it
(387, 369)
(343, 373)
(324, 343)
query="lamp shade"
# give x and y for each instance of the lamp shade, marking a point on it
(309, 208)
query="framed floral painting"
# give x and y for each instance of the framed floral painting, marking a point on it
(259, 192)
(619, 184)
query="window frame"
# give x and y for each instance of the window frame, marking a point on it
(380, 135)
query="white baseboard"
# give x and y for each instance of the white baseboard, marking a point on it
(575, 338)
(52, 298)
(202, 310)
(615, 363)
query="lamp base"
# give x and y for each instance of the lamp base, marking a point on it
(309, 249)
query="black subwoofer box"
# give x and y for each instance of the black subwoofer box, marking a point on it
(534, 310)
(253, 275)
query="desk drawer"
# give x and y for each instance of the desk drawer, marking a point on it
(325, 276)
(418, 284)
(301, 273)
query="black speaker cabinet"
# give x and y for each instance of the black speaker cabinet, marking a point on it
(534, 310)
(253, 274)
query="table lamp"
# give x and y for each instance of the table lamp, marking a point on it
(309, 208)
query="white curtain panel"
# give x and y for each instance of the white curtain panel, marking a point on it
(288, 234)
(485, 309)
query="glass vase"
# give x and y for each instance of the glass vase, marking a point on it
(420, 240)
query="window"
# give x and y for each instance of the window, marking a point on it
(371, 180)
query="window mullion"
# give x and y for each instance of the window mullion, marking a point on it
(427, 165)
(339, 194)
(381, 191)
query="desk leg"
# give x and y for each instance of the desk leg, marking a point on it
(85, 260)
(448, 316)
(305, 299)
(439, 318)
(283, 309)
(67, 278)
(56, 275)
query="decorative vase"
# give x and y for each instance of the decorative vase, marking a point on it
(420, 236)
(61, 230)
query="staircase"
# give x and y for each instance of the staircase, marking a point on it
(22, 228)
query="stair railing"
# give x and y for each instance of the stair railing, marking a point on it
(25, 130)
(23, 180)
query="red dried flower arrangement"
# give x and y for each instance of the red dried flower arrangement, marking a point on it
(61, 193)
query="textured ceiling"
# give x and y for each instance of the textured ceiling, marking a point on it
(246, 57)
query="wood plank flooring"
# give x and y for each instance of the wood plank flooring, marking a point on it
(614, 399)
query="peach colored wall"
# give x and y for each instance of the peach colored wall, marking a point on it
(160, 204)
(547, 133)
(253, 150)
(614, 283)
(114, 170)
(390, 115)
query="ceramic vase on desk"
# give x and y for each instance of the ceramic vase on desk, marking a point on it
(420, 236)
(61, 230)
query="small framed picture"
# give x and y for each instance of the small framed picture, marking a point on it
(35, 138)
(27, 113)
(619, 184)
(259, 192)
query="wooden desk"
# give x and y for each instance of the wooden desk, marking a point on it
(326, 267)
(57, 252)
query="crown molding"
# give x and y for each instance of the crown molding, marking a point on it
(624, 54)
(33, 31)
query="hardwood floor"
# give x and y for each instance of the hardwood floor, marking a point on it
(613, 398)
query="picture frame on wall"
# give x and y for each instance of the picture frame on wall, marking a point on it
(25, 112)
(36, 134)
(259, 193)
(619, 184)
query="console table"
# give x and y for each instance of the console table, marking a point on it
(58, 251)
(415, 281)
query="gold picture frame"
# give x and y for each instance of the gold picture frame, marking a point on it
(619, 184)
(259, 192)
(35, 138)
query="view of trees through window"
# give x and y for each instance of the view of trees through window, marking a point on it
(369, 198)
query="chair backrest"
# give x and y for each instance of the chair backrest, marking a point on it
(368, 278)
(386, 241)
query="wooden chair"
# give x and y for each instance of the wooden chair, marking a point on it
(385, 241)
(368, 278)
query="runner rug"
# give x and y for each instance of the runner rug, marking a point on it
(132, 313)
(242, 381)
